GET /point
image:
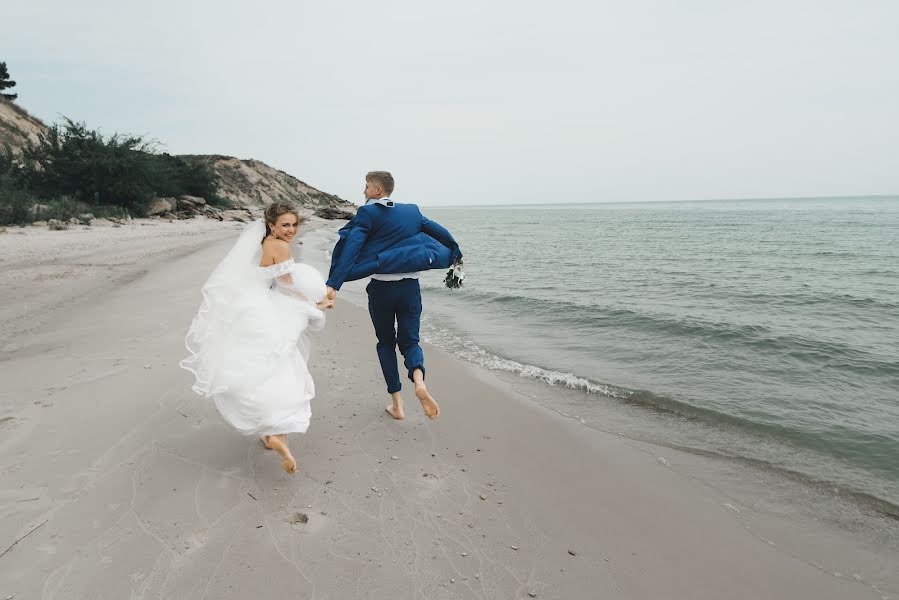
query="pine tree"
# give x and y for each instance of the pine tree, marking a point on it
(5, 82)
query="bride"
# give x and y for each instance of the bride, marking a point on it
(248, 341)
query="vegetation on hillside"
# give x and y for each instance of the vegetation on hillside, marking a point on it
(74, 169)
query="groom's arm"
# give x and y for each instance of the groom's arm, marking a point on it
(355, 239)
(442, 235)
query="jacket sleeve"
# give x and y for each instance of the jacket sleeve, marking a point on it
(440, 233)
(339, 245)
(355, 239)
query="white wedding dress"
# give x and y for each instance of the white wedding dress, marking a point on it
(248, 341)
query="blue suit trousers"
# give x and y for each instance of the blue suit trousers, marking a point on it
(395, 309)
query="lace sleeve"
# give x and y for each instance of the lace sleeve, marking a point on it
(278, 269)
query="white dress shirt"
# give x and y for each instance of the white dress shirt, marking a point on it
(392, 276)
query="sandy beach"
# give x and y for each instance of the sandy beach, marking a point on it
(119, 482)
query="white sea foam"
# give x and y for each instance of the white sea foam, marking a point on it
(468, 350)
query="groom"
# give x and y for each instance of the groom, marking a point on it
(401, 242)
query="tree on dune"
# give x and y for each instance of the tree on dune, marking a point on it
(5, 82)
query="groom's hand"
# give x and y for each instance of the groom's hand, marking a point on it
(330, 294)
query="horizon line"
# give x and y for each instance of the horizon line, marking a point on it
(769, 198)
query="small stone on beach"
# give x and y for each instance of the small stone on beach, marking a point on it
(483, 497)
(514, 547)
(572, 553)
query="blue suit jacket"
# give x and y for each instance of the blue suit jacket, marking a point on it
(390, 239)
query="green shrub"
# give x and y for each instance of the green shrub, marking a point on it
(15, 203)
(118, 170)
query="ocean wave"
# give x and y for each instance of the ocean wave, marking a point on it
(473, 353)
(834, 354)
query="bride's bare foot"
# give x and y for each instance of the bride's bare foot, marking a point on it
(264, 439)
(278, 443)
(432, 410)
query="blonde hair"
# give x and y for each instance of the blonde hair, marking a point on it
(383, 179)
(275, 210)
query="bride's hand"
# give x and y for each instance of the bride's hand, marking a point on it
(326, 303)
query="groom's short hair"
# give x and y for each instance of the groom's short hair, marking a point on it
(383, 179)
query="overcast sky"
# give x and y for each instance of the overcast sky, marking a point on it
(488, 102)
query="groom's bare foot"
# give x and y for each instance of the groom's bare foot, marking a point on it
(396, 412)
(278, 443)
(428, 404)
(395, 409)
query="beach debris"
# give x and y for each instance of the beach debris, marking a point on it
(465, 554)
(452, 580)
(298, 518)
(730, 506)
(532, 594)
(252, 496)
(32, 530)
(394, 457)
(374, 489)
(477, 575)
(513, 547)
(483, 497)
(572, 552)
(663, 461)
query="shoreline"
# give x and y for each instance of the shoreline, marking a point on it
(145, 492)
